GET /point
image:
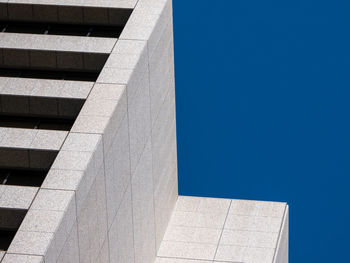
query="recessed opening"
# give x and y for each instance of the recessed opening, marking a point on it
(39, 112)
(25, 167)
(60, 29)
(16, 163)
(60, 124)
(48, 74)
(50, 64)
(23, 177)
(10, 220)
(71, 15)
(6, 237)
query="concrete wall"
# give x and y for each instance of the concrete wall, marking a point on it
(112, 189)
(110, 192)
(282, 251)
(127, 209)
(207, 230)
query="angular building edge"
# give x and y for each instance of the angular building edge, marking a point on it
(203, 230)
(112, 190)
(282, 250)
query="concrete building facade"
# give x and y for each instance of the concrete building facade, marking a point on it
(88, 159)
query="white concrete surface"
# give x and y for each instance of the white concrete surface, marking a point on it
(224, 230)
(111, 194)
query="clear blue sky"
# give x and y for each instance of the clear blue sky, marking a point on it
(263, 111)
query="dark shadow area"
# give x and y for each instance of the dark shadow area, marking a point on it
(60, 29)
(48, 74)
(42, 64)
(25, 167)
(70, 20)
(10, 220)
(60, 124)
(6, 237)
(23, 177)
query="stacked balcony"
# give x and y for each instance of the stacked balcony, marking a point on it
(50, 57)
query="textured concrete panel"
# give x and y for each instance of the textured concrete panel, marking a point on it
(40, 244)
(143, 208)
(48, 140)
(139, 123)
(195, 232)
(121, 239)
(70, 250)
(17, 197)
(63, 179)
(282, 251)
(117, 170)
(164, 201)
(56, 43)
(17, 138)
(187, 250)
(103, 257)
(15, 258)
(192, 234)
(92, 221)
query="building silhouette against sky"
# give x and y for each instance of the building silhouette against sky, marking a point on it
(88, 158)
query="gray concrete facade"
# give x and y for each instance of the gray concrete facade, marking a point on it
(104, 136)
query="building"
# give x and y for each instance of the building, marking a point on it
(88, 162)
